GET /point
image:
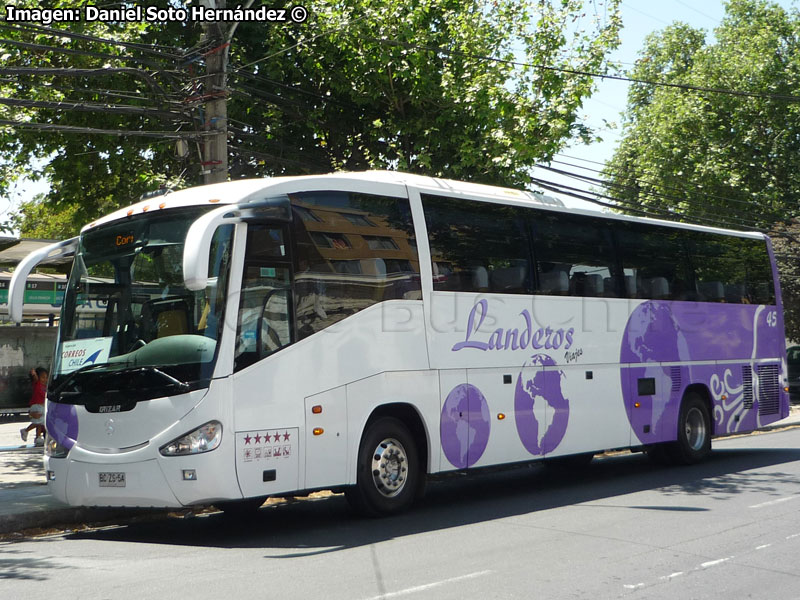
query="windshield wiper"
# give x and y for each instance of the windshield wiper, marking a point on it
(71, 376)
(130, 371)
(181, 385)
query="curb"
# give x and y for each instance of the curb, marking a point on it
(62, 517)
(28, 449)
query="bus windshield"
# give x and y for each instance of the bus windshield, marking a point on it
(129, 327)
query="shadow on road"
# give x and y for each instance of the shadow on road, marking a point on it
(21, 468)
(325, 525)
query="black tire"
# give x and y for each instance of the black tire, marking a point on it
(387, 472)
(659, 454)
(238, 509)
(694, 432)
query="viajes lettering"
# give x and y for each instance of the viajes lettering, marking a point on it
(513, 339)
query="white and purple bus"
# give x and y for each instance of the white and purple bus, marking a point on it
(364, 331)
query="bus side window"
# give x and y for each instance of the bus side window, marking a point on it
(353, 251)
(477, 246)
(264, 324)
(574, 256)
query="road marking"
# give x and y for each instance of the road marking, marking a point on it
(666, 577)
(633, 587)
(762, 547)
(777, 501)
(791, 537)
(428, 586)
(713, 563)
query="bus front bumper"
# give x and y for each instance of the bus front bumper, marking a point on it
(149, 483)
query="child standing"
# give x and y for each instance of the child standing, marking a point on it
(36, 406)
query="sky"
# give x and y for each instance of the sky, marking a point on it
(639, 18)
(606, 105)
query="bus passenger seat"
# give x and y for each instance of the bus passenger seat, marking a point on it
(509, 279)
(608, 287)
(554, 282)
(734, 292)
(659, 288)
(593, 285)
(480, 279)
(631, 287)
(711, 291)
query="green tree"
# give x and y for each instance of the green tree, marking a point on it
(732, 158)
(363, 84)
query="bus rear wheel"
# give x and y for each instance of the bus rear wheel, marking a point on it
(387, 473)
(694, 431)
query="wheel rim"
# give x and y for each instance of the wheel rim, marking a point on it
(695, 429)
(389, 467)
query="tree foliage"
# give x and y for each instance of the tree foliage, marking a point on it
(363, 84)
(729, 158)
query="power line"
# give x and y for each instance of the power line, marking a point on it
(75, 51)
(695, 88)
(72, 72)
(301, 42)
(737, 219)
(92, 107)
(149, 48)
(173, 135)
(644, 182)
(280, 159)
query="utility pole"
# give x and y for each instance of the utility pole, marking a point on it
(215, 153)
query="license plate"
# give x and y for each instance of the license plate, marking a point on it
(112, 479)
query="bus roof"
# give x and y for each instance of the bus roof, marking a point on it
(232, 192)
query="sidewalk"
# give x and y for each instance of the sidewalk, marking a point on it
(25, 502)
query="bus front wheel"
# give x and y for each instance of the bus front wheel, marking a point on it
(387, 473)
(694, 431)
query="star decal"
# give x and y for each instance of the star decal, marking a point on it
(267, 437)
(247, 439)
(285, 437)
(258, 439)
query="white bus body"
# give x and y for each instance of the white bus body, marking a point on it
(419, 352)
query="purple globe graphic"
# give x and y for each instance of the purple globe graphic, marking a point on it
(651, 335)
(540, 408)
(62, 423)
(464, 425)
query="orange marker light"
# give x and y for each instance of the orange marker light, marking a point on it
(318, 431)
(636, 404)
(146, 208)
(162, 205)
(130, 212)
(501, 416)
(214, 201)
(316, 409)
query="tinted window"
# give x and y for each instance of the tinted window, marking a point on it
(477, 246)
(730, 269)
(263, 324)
(358, 250)
(574, 256)
(655, 262)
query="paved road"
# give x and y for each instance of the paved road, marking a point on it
(729, 528)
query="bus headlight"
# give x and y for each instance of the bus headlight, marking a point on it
(53, 449)
(203, 439)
